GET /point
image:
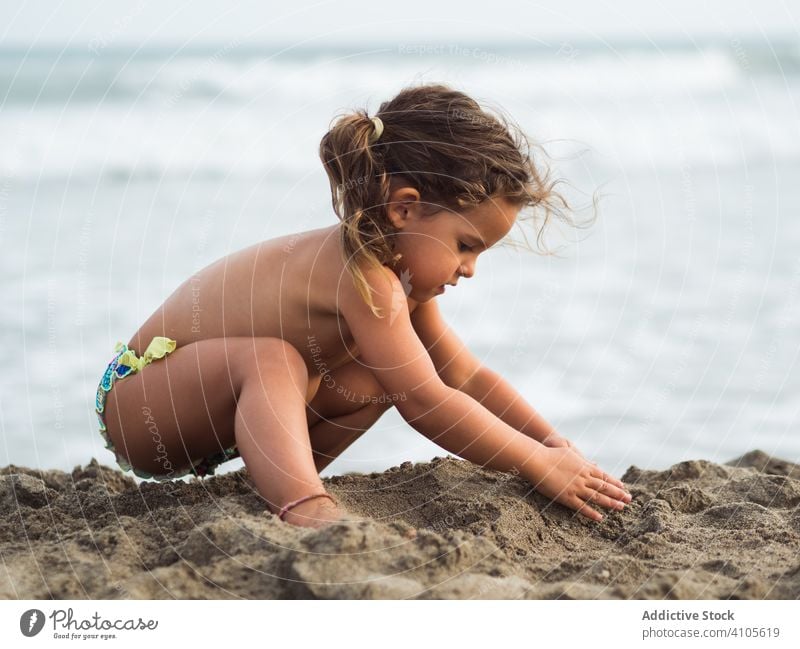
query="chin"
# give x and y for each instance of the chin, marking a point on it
(430, 296)
(419, 299)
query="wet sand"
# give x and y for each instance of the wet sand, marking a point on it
(441, 529)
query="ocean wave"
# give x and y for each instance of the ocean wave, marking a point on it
(79, 76)
(119, 116)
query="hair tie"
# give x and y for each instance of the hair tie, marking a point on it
(378, 123)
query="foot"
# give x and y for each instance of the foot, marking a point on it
(317, 512)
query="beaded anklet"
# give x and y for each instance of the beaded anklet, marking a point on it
(294, 503)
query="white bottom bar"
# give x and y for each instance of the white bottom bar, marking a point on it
(391, 624)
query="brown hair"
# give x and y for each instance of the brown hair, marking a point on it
(439, 141)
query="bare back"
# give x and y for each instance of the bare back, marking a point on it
(285, 288)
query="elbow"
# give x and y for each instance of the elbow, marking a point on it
(423, 401)
(462, 378)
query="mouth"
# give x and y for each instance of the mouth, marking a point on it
(440, 290)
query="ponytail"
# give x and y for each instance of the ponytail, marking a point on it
(359, 193)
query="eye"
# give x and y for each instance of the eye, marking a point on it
(462, 247)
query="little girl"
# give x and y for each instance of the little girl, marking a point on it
(285, 352)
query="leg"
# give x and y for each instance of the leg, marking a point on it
(208, 395)
(271, 429)
(349, 401)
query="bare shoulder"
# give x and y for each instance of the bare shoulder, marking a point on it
(384, 287)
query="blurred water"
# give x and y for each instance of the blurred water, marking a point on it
(668, 331)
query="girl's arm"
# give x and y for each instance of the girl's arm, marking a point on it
(499, 396)
(459, 369)
(390, 347)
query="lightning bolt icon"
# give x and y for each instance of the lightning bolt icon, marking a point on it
(32, 621)
(398, 303)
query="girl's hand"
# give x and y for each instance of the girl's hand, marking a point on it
(554, 440)
(568, 478)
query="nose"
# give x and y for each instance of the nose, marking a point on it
(467, 269)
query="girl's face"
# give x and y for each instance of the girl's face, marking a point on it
(440, 248)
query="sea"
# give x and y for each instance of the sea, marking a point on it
(667, 330)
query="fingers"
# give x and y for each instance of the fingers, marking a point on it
(609, 489)
(582, 507)
(582, 504)
(579, 483)
(596, 498)
(602, 475)
(603, 490)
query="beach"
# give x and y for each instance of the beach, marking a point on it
(673, 319)
(444, 529)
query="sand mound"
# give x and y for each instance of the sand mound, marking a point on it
(443, 529)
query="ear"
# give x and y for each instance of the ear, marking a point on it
(403, 206)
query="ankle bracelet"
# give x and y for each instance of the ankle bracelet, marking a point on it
(294, 503)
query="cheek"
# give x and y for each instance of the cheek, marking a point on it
(428, 260)
(415, 252)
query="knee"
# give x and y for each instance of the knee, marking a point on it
(270, 357)
(346, 390)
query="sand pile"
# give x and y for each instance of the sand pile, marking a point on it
(443, 529)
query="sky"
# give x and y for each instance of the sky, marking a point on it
(137, 22)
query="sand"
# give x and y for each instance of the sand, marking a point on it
(442, 529)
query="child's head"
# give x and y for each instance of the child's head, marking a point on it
(442, 169)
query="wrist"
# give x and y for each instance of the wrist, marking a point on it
(539, 429)
(554, 440)
(536, 464)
